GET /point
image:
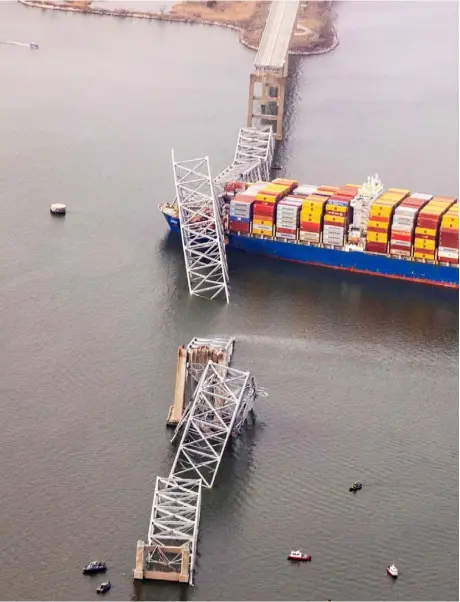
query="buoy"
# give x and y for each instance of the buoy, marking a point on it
(58, 209)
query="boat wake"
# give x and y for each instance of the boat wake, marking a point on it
(12, 43)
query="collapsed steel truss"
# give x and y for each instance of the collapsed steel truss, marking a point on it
(253, 157)
(174, 524)
(220, 405)
(220, 344)
(201, 229)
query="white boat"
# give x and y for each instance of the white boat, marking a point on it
(297, 555)
(392, 571)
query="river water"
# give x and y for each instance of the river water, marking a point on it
(362, 372)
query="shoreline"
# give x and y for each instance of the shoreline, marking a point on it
(171, 17)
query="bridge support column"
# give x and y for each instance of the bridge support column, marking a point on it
(263, 104)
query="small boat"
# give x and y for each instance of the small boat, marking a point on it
(297, 555)
(58, 209)
(95, 567)
(392, 571)
(104, 587)
(356, 487)
(34, 46)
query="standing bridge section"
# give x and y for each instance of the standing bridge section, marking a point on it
(268, 81)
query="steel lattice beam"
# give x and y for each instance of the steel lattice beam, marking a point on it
(201, 229)
(174, 524)
(220, 405)
(253, 157)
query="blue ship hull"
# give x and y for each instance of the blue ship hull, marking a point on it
(353, 261)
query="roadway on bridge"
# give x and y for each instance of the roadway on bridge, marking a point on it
(276, 36)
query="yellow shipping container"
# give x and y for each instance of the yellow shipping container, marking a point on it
(337, 219)
(275, 188)
(313, 219)
(262, 222)
(425, 232)
(262, 232)
(423, 243)
(337, 208)
(311, 209)
(283, 182)
(267, 198)
(377, 237)
(376, 224)
(399, 191)
(380, 212)
(419, 255)
(435, 207)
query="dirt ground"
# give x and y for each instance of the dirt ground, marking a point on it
(315, 30)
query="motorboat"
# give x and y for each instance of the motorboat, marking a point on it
(392, 571)
(104, 587)
(297, 555)
(95, 567)
(356, 487)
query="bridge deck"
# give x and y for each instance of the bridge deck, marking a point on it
(277, 34)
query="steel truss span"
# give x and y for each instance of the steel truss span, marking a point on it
(173, 529)
(201, 229)
(253, 157)
(220, 406)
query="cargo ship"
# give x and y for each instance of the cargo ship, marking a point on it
(390, 233)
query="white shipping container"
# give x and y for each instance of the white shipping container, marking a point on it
(449, 253)
(333, 243)
(290, 214)
(287, 223)
(333, 229)
(287, 220)
(309, 236)
(400, 243)
(406, 211)
(305, 189)
(420, 195)
(399, 252)
(404, 221)
(289, 236)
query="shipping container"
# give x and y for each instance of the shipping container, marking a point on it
(309, 237)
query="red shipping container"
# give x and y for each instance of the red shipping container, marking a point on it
(424, 222)
(374, 229)
(310, 227)
(448, 260)
(376, 247)
(264, 209)
(425, 237)
(400, 247)
(378, 218)
(286, 230)
(399, 236)
(239, 227)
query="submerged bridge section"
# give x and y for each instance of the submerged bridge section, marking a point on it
(220, 405)
(268, 81)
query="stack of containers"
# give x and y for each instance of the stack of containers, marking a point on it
(337, 216)
(448, 236)
(404, 220)
(241, 213)
(241, 209)
(380, 218)
(264, 208)
(428, 222)
(311, 218)
(287, 217)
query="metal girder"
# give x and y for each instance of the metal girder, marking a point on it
(201, 229)
(253, 157)
(174, 524)
(220, 405)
